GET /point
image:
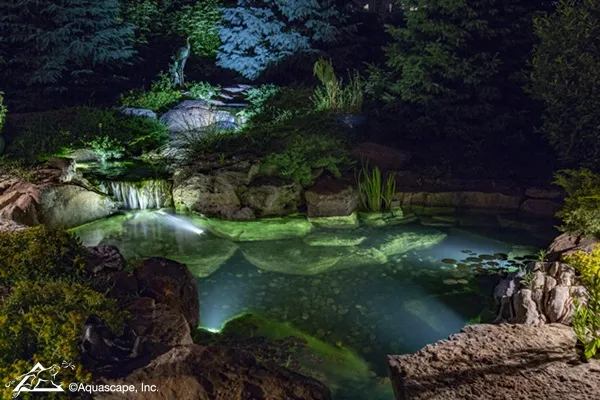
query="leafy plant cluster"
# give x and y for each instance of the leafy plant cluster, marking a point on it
(375, 194)
(566, 79)
(581, 211)
(335, 96)
(162, 95)
(47, 303)
(257, 98)
(42, 322)
(586, 321)
(40, 254)
(35, 137)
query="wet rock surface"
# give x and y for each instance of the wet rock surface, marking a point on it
(567, 243)
(498, 361)
(196, 372)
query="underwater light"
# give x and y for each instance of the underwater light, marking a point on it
(181, 223)
(213, 330)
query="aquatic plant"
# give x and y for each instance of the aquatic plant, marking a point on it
(541, 255)
(528, 281)
(202, 90)
(581, 212)
(375, 195)
(586, 321)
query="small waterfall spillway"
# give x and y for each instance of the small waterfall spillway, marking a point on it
(143, 195)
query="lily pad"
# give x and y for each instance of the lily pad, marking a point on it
(448, 261)
(486, 257)
(473, 259)
(501, 256)
(467, 251)
(493, 263)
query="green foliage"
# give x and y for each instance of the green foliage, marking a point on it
(160, 97)
(106, 148)
(566, 78)
(375, 194)
(40, 254)
(147, 16)
(199, 22)
(38, 136)
(42, 322)
(257, 99)
(201, 90)
(528, 281)
(586, 321)
(49, 45)
(581, 212)
(305, 152)
(461, 66)
(333, 95)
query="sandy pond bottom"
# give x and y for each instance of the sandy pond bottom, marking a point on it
(357, 294)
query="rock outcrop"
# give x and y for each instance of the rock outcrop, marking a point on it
(541, 293)
(498, 361)
(569, 243)
(58, 198)
(196, 372)
(330, 197)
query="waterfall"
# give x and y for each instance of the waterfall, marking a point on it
(140, 195)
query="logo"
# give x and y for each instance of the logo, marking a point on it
(39, 379)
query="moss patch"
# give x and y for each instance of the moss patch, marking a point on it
(402, 242)
(339, 222)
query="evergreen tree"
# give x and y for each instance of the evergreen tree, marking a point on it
(566, 77)
(461, 64)
(259, 33)
(53, 44)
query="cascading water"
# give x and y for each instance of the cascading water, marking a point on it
(143, 195)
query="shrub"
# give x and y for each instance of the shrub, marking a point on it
(160, 97)
(581, 212)
(375, 195)
(49, 133)
(40, 254)
(333, 95)
(42, 322)
(202, 90)
(304, 152)
(565, 77)
(586, 321)
(257, 98)
(15, 168)
(200, 23)
(106, 149)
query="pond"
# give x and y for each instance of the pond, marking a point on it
(368, 291)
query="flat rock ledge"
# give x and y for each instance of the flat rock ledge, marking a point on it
(498, 362)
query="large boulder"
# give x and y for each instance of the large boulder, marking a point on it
(271, 197)
(497, 361)
(543, 292)
(210, 195)
(196, 372)
(172, 284)
(330, 197)
(68, 206)
(158, 323)
(192, 115)
(568, 243)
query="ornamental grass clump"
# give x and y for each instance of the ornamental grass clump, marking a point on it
(586, 320)
(375, 194)
(333, 95)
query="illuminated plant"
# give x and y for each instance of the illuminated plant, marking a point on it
(375, 195)
(333, 95)
(586, 321)
(581, 212)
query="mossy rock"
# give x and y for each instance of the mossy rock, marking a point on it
(433, 210)
(325, 239)
(431, 221)
(204, 257)
(298, 258)
(93, 233)
(337, 365)
(385, 218)
(402, 242)
(257, 230)
(339, 222)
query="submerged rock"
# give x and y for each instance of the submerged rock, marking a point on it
(402, 242)
(298, 258)
(258, 230)
(340, 222)
(204, 257)
(488, 361)
(333, 239)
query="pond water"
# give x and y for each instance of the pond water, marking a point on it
(371, 290)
